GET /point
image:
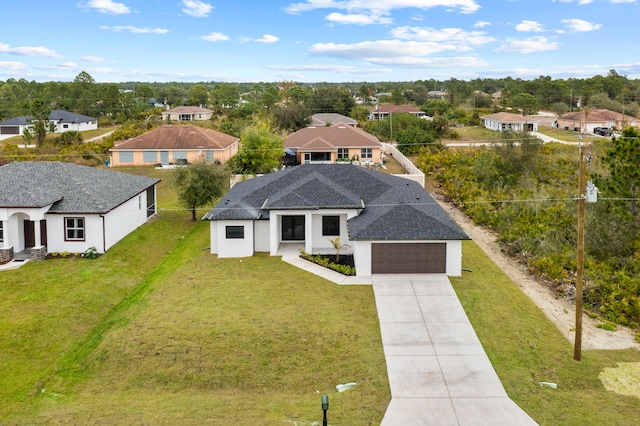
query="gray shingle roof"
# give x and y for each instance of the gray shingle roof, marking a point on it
(70, 187)
(55, 115)
(394, 208)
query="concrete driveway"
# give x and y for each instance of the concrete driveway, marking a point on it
(438, 371)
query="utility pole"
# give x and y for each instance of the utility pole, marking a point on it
(577, 348)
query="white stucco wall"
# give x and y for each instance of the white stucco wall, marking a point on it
(261, 233)
(213, 236)
(454, 258)
(321, 243)
(56, 233)
(234, 247)
(362, 257)
(124, 219)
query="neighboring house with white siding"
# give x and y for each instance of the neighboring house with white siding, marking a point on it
(501, 121)
(62, 207)
(62, 121)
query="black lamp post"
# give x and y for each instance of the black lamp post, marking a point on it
(325, 407)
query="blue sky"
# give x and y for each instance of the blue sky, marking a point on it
(317, 40)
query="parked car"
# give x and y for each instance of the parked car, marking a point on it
(602, 131)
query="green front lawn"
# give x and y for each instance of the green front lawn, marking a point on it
(159, 330)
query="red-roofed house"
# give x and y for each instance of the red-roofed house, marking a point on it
(331, 144)
(175, 143)
(597, 118)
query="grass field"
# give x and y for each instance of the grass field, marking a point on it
(474, 134)
(566, 135)
(160, 331)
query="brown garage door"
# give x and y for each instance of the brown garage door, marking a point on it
(408, 258)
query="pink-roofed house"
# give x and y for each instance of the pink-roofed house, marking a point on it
(332, 144)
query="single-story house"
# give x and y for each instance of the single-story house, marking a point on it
(577, 121)
(175, 143)
(508, 121)
(62, 121)
(390, 224)
(187, 113)
(384, 111)
(330, 144)
(327, 119)
(63, 207)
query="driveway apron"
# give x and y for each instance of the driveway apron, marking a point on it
(439, 373)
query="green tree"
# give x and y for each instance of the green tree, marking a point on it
(261, 151)
(40, 121)
(225, 95)
(331, 99)
(290, 118)
(198, 95)
(526, 103)
(199, 184)
(624, 175)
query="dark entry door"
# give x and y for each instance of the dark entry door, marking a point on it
(292, 228)
(30, 233)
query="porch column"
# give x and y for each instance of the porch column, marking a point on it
(308, 233)
(36, 232)
(5, 233)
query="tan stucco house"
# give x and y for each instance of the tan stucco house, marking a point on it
(175, 144)
(597, 117)
(332, 144)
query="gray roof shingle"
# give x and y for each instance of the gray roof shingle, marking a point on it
(71, 188)
(394, 208)
(57, 115)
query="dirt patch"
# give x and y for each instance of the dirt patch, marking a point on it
(561, 311)
(623, 379)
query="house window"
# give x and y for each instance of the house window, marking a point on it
(331, 225)
(235, 232)
(366, 153)
(139, 202)
(343, 153)
(209, 155)
(1, 231)
(151, 201)
(150, 156)
(65, 126)
(126, 156)
(74, 228)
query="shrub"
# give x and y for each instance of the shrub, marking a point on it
(91, 253)
(323, 261)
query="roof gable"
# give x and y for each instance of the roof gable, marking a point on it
(71, 188)
(331, 137)
(391, 208)
(178, 136)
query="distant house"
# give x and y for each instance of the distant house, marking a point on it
(175, 143)
(57, 207)
(330, 144)
(508, 121)
(62, 121)
(437, 94)
(578, 121)
(384, 111)
(187, 113)
(391, 224)
(324, 119)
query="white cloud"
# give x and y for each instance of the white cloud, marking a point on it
(107, 6)
(397, 53)
(29, 51)
(455, 36)
(66, 66)
(215, 37)
(529, 45)
(358, 18)
(580, 2)
(196, 8)
(90, 58)
(340, 69)
(134, 30)
(481, 24)
(381, 6)
(529, 26)
(580, 25)
(12, 66)
(267, 38)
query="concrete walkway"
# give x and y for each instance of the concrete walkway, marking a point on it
(438, 371)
